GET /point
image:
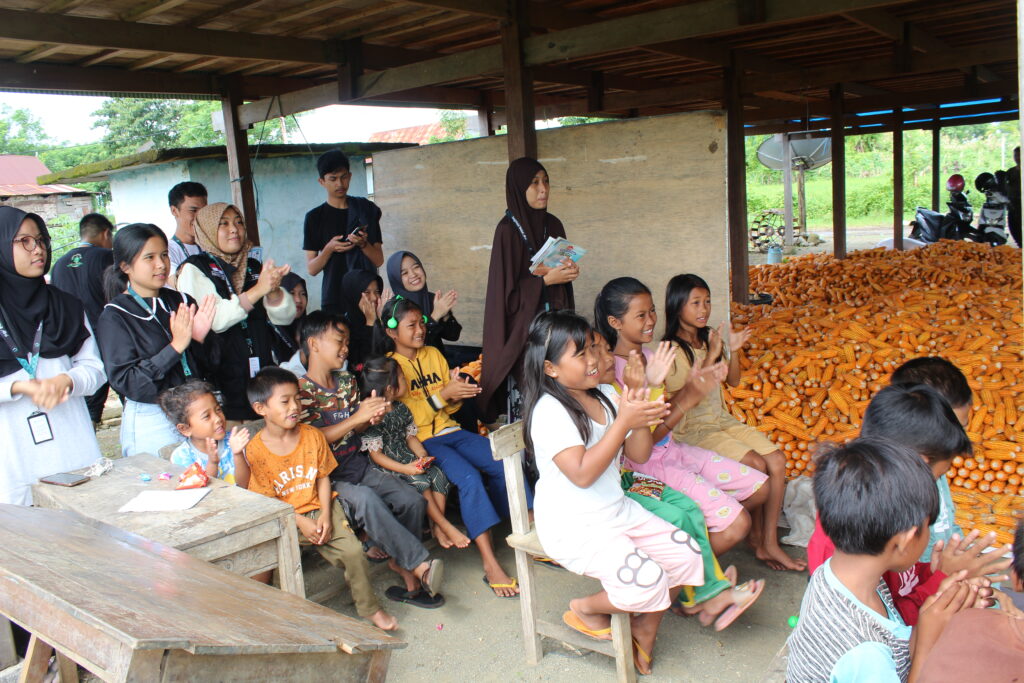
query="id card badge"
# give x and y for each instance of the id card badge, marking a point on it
(39, 425)
(254, 366)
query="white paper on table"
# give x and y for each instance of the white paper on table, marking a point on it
(163, 501)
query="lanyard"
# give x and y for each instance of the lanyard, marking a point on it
(218, 271)
(152, 311)
(522, 233)
(30, 364)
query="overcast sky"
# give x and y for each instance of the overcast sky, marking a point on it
(67, 118)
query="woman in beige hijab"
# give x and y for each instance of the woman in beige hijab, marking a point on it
(250, 302)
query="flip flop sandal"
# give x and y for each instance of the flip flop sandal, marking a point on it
(368, 546)
(638, 655)
(576, 624)
(513, 584)
(546, 561)
(749, 592)
(418, 598)
(433, 577)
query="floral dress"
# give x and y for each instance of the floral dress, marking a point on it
(390, 438)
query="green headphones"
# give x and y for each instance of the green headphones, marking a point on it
(393, 321)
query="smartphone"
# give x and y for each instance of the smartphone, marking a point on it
(467, 378)
(64, 479)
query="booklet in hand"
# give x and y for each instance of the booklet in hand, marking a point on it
(554, 251)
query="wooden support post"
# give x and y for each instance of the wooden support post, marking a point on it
(787, 187)
(522, 132)
(897, 184)
(936, 163)
(838, 173)
(801, 198)
(239, 165)
(736, 183)
(485, 116)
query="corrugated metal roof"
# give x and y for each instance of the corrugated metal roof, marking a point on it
(419, 135)
(19, 175)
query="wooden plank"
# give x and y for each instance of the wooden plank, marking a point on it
(150, 8)
(897, 185)
(37, 660)
(522, 132)
(74, 30)
(489, 9)
(38, 53)
(289, 559)
(838, 173)
(162, 598)
(673, 23)
(8, 655)
(248, 560)
(787, 188)
(243, 194)
(936, 166)
(736, 185)
(564, 634)
(622, 645)
(67, 670)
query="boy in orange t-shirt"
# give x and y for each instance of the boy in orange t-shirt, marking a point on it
(290, 461)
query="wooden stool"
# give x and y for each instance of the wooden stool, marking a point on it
(507, 445)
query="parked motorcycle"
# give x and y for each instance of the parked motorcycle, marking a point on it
(931, 226)
(995, 211)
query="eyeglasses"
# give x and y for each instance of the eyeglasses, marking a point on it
(29, 243)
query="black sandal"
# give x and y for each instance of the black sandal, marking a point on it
(420, 598)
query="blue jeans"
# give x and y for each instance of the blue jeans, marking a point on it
(145, 429)
(466, 460)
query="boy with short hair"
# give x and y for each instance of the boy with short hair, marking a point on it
(290, 461)
(918, 418)
(342, 234)
(391, 511)
(185, 200)
(943, 377)
(875, 500)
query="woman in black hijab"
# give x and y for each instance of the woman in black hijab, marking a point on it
(49, 363)
(407, 278)
(514, 294)
(361, 299)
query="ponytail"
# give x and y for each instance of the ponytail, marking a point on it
(128, 242)
(394, 310)
(613, 301)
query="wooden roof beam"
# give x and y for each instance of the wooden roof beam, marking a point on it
(893, 28)
(218, 12)
(38, 53)
(488, 9)
(144, 10)
(298, 12)
(127, 35)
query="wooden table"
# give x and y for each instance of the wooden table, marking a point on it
(129, 609)
(241, 531)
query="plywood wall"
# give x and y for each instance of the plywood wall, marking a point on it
(645, 197)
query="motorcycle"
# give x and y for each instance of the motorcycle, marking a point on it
(995, 211)
(931, 226)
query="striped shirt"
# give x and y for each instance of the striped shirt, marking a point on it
(840, 639)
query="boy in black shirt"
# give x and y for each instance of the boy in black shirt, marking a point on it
(342, 234)
(80, 273)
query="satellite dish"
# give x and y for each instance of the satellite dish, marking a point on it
(808, 152)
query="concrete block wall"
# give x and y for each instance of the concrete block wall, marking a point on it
(646, 197)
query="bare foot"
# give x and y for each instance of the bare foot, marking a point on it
(711, 608)
(776, 558)
(455, 536)
(383, 620)
(441, 536)
(375, 553)
(497, 575)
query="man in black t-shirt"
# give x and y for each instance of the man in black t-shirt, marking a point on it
(80, 273)
(342, 234)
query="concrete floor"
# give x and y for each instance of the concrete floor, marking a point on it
(477, 637)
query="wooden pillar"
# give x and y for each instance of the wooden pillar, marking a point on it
(239, 167)
(519, 114)
(736, 183)
(787, 188)
(897, 182)
(936, 163)
(1020, 73)
(838, 173)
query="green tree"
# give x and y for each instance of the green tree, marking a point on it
(20, 132)
(580, 120)
(454, 125)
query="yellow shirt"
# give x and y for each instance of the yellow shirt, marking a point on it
(427, 374)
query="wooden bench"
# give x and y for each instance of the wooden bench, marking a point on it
(242, 531)
(129, 609)
(507, 445)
